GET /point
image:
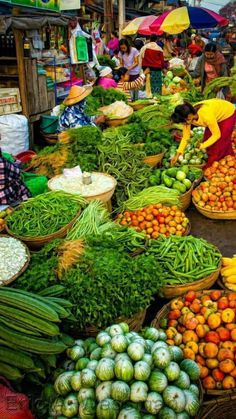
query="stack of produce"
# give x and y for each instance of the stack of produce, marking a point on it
(117, 110)
(153, 148)
(234, 141)
(183, 260)
(44, 214)
(102, 97)
(219, 83)
(203, 325)
(70, 152)
(125, 374)
(13, 258)
(193, 155)
(155, 220)
(173, 84)
(29, 332)
(3, 215)
(218, 193)
(178, 178)
(135, 132)
(228, 272)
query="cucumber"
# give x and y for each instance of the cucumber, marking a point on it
(53, 291)
(16, 358)
(9, 372)
(28, 303)
(18, 327)
(60, 301)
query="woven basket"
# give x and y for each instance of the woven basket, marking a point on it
(186, 198)
(14, 277)
(104, 197)
(154, 160)
(36, 243)
(138, 106)
(172, 291)
(197, 182)
(116, 122)
(216, 215)
(219, 408)
(226, 393)
(135, 324)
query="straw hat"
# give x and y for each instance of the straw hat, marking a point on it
(76, 94)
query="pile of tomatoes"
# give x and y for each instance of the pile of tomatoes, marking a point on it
(234, 141)
(204, 326)
(155, 220)
(218, 193)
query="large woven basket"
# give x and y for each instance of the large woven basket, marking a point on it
(185, 199)
(219, 408)
(22, 270)
(37, 242)
(172, 291)
(50, 138)
(138, 106)
(104, 197)
(216, 215)
(135, 324)
(162, 314)
(154, 160)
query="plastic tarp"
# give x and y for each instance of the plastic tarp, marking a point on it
(29, 23)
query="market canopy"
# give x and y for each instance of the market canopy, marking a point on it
(32, 22)
(139, 25)
(180, 19)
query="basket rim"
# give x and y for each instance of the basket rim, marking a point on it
(23, 269)
(90, 196)
(41, 238)
(213, 211)
(160, 155)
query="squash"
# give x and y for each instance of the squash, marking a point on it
(192, 403)
(174, 398)
(82, 363)
(183, 415)
(108, 352)
(103, 338)
(135, 351)
(128, 413)
(87, 409)
(154, 403)
(88, 378)
(176, 353)
(92, 365)
(194, 389)
(157, 381)
(148, 359)
(75, 381)
(96, 354)
(62, 384)
(150, 333)
(142, 371)
(75, 353)
(120, 391)
(103, 390)
(115, 329)
(107, 409)
(124, 370)
(172, 371)
(161, 357)
(183, 381)
(119, 343)
(138, 392)
(159, 344)
(70, 406)
(191, 368)
(85, 393)
(105, 369)
(167, 413)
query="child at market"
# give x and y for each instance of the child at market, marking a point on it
(115, 58)
(106, 78)
(12, 188)
(127, 86)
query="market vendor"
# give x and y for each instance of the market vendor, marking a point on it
(12, 188)
(218, 117)
(106, 78)
(73, 115)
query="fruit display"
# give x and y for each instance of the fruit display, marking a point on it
(203, 325)
(123, 374)
(228, 273)
(178, 178)
(155, 220)
(193, 155)
(223, 170)
(3, 215)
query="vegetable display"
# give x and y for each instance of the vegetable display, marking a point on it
(193, 155)
(153, 148)
(45, 214)
(176, 178)
(124, 374)
(13, 256)
(203, 325)
(117, 110)
(3, 215)
(218, 193)
(228, 273)
(29, 325)
(152, 195)
(155, 220)
(184, 259)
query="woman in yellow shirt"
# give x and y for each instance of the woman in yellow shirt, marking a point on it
(218, 117)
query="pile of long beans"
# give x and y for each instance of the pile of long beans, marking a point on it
(45, 214)
(152, 195)
(184, 259)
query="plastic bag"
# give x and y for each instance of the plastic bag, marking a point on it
(14, 134)
(13, 405)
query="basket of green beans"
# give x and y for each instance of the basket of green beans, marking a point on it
(44, 218)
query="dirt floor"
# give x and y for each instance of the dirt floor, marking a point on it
(222, 233)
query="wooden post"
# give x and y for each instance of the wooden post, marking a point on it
(21, 70)
(121, 16)
(108, 18)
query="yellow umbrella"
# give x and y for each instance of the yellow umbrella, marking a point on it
(177, 21)
(133, 26)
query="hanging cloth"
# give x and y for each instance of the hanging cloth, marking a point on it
(81, 48)
(90, 48)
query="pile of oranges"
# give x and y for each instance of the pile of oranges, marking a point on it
(218, 193)
(204, 326)
(154, 220)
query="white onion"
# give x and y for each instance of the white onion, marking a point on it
(100, 184)
(13, 257)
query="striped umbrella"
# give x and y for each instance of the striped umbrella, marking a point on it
(139, 25)
(180, 19)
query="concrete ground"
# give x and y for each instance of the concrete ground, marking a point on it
(222, 233)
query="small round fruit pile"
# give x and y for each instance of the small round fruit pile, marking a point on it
(222, 171)
(3, 215)
(204, 326)
(155, 220)
(234, 141)
(218, 197)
